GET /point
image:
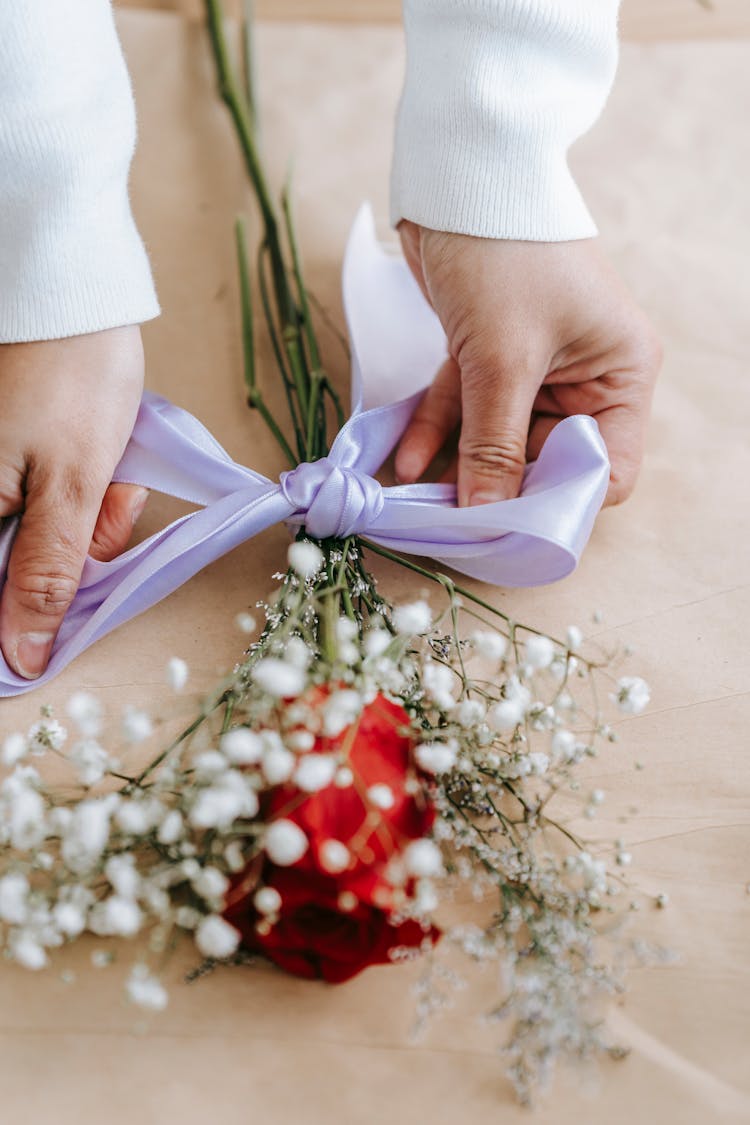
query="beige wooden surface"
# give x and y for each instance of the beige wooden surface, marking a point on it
(665, 172)
(642, 20)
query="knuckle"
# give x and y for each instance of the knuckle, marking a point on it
(46, 594)
(497, 457)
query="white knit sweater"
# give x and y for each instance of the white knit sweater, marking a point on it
(495, 92)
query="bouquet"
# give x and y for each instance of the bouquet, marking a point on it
(361, 766)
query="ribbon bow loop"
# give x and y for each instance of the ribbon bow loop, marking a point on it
(332, 500)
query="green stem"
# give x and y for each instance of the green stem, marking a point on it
(235, 101)
(246, 304)
(312, 343)
(248, 59)
(434, 576)
(255, 399)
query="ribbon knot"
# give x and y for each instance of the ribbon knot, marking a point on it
(332, 500)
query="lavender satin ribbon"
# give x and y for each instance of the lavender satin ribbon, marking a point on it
(396, 342)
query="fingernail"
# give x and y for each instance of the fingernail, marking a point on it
(483, 497)
(138, 505)
(31, 654)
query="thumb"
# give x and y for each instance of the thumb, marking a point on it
(44, 571)
(496, 402)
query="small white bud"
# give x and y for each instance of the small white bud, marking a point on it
(381, 796)
(267, 900)
(489, 644)
(335, 857)
(305, 558)
(215, 937)
(242, 747)
(15, 747)
(278, 765)
(285, 842)
(540, 652)
(245, 622)
(436, 757)
(315, 772)
(412, 619)
(278, 677)
(504, 717)
(423, 859)
(177, 674)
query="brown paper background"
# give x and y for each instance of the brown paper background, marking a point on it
(666, 174)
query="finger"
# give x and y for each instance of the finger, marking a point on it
(497, 399)
(541, 427)
(624, 431)
(120, 511)
(432, 424)
(449, 474)
(45, 567)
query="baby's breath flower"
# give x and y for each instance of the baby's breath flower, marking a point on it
(90, 760)
(245, 622)
(439, 682)
(177, 674)
(14, 894)
(210, 883)
(300, 741)
(412, 619)
(376, 641)
(334, 856)
(540, 652)
(47, 734)
(574, 638)
(69, 918)
(381, 796)
(632, 696)
(26, 950)
(216, 938)
(267, 900)
(241, 746)
(305, 558)
(297, 653)
(423, 858)
(344, 778)
(437, 757)
(15, 747)
(315, 772)
(489, 644)
(122, 875)
(340, 711)
(146, 990)
(505, 716)
(278, 764)
(136, 725)
(86, 712)
(116, 916)
(469, 712)
(285, 842)
(220, 804)
(171, 828)
(278, 677)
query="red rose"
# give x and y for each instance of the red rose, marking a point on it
(333, 924)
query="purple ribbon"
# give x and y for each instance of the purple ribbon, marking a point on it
(396, 342)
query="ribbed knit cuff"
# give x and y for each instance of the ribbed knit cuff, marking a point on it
(495, 93)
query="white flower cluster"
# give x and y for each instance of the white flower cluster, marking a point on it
(500, 718)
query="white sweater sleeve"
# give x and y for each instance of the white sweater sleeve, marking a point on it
(495, 93)
(71, 259)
